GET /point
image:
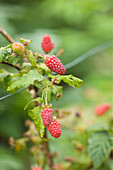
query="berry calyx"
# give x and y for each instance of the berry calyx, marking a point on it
(102, 109)
(47, 117)
(46, 44)
(18, 48)
(55, 129)
(54, 64)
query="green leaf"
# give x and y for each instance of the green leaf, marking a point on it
(100, 145)
(15, 60)
(43, 68)
(97, 127)
(25, 80)
(47, 94)
(69, 79)
(2, 57)
(38, 99)
(8, 80)
(110, 162)
(3, 74)
(24, 40)
(36, 117)
(56, 90)
(31, 58)
(104, 166)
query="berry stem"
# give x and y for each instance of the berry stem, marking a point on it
(46, 98)
(10, 64)
(38, 55)
(47, 152)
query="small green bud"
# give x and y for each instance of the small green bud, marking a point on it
(18, 48)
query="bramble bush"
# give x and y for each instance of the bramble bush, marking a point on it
(42, 74)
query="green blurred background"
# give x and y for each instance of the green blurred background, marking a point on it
(75, 25)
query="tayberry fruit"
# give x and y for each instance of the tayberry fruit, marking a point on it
(102, 109)
(46, 44)
(55, 129)
(47, 117)
(54, 64)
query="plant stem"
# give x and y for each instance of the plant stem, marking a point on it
(47, 152)
(5, 34)
(10, 64)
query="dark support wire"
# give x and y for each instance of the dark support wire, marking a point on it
(89, 53)
(79, 59)
(8, 95)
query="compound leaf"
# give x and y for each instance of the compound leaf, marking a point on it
(25, 80)
(100, 145)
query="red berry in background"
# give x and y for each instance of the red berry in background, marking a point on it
(55, 129)
(36, 168)
(46, 38)
(46, 44)
(18, 48)
(58, 167)
(102, 109)
(54, 64)
(47, 117)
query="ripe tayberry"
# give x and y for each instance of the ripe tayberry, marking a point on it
(55, 129)
(102, 109)
(47, 45)
(54, 64)
(47, 117)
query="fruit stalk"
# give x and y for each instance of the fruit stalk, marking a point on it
(47, 152)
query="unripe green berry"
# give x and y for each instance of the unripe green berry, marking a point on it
(18, 48)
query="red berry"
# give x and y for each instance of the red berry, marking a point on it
(46, 38)
(58, 167)
(47, 45)
(102, 109)
(55, 129)
(47, 117)
(55, 65)
(18, 48)
(36, 168)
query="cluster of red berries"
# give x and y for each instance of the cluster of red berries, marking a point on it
(102, 109)
(52, 125)
(47, 45)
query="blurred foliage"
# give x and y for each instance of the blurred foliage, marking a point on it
(76, 26)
